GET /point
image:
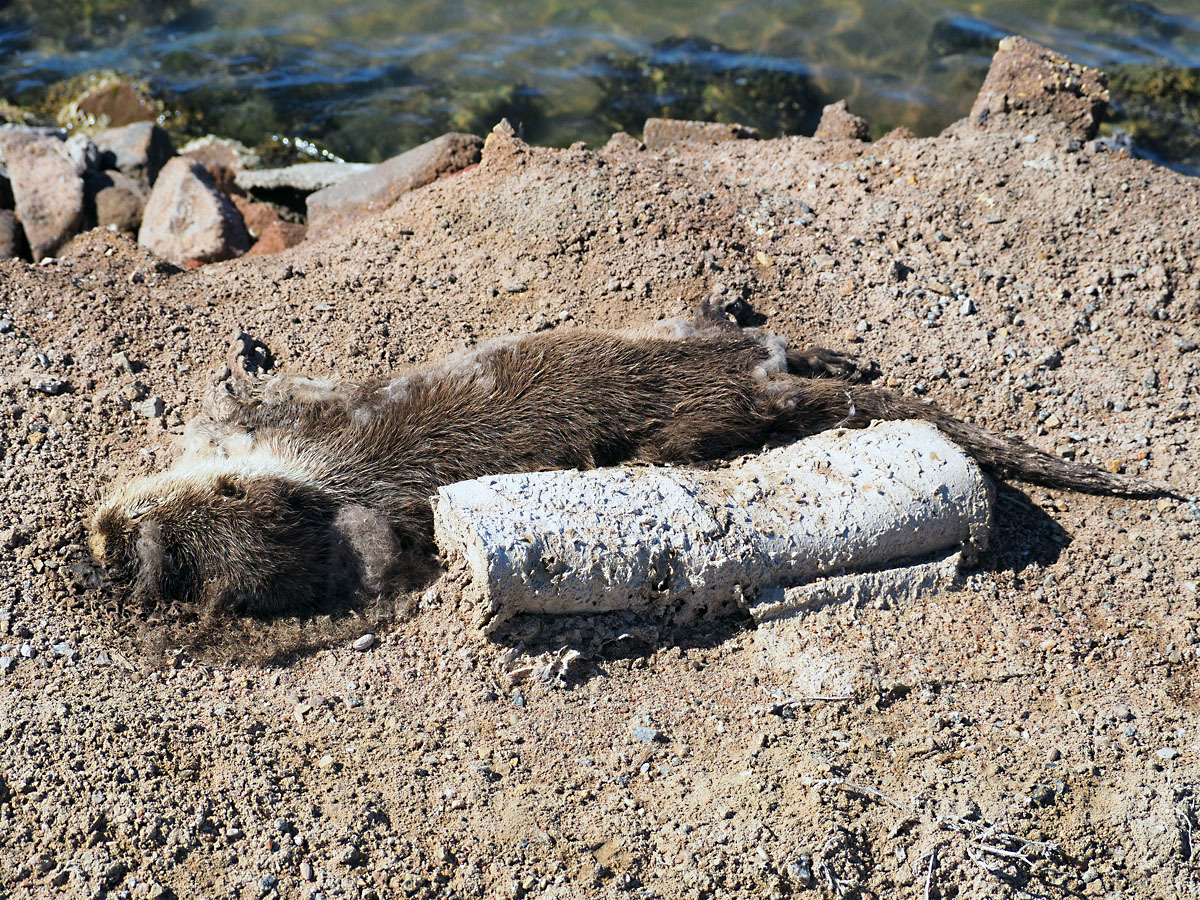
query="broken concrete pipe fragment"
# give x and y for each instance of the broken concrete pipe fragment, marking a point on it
(857, 502)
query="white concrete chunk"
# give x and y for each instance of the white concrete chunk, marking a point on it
(775, 532)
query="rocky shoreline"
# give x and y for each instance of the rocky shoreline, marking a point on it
(1033, 731)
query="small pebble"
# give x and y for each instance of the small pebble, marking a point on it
(967, 308)
(515, 287)
(800, 871)
(366, 642)
(50, 386)
(306, 871)
(150, 408)
(1166, 753)
(325, 761)
(1042, 795)
(646, 735)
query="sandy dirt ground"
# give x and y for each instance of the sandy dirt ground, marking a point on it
(1033, 733)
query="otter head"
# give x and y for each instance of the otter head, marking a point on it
(243, 542)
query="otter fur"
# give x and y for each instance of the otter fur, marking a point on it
(314, 490)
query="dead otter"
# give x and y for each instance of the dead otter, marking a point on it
(314, 489)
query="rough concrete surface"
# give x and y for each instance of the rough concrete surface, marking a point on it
(1033, 732)
(646, 538)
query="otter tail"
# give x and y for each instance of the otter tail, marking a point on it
(832, 403)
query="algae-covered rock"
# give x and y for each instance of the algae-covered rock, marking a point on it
(690, 78)
(1160, 107)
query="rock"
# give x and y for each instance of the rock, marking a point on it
(305, 177)
(257, 216)
(115, 104)
(7, 664)
(374, 191)
(150, 408)
(82, 152)
(119, 200)
(114, 874)
(658, 134)
(51, 387)
(351, 856)
(839, 124)
(187, 218)
(1027, 79)
(800, 871)
(1166, 753)
(12, 237)
(139, 150)
(646, 735)
(366, 642)
(1042, 795)
(277, 237)
(623, 141)
(47, 189)
(222, 157)
(899, 133)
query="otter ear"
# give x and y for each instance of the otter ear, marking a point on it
(228, 487)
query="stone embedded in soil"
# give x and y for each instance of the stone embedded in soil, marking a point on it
(187, 218)
(372, 192)
(623, 141)
(277, 237)
(12, 237)
(139, 150)
(150, 408)
(658, 134)
(1029, 80)
(118, 199)
(116, 104)
(47, 189)
(646, 735)
(839, 124)
(366, 642)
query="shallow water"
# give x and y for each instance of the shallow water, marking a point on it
(363, 79)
